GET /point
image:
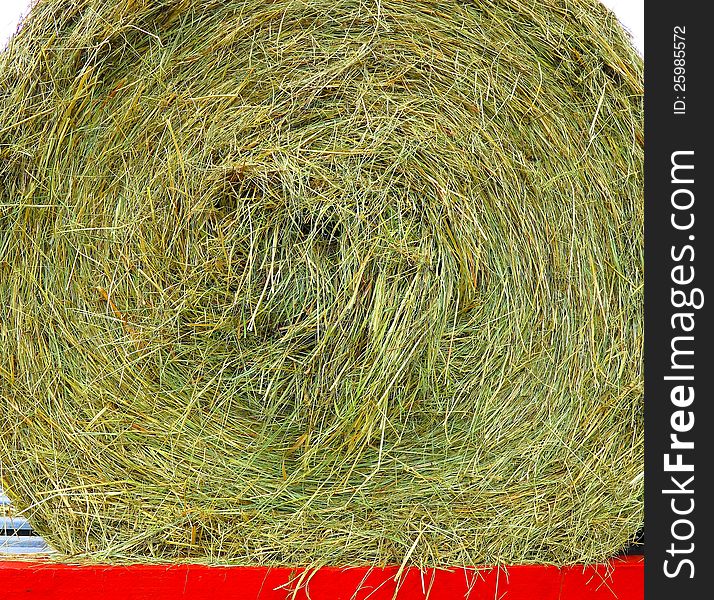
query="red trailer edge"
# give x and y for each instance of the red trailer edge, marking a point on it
(621, 579)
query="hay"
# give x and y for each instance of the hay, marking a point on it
(322, 281)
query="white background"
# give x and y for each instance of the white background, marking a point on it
(10, 13)
(632, 15)
(630, 12)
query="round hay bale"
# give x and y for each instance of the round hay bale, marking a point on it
(322, 281)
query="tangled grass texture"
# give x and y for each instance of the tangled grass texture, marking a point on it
(309, 282)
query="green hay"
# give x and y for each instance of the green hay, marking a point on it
(322, 281)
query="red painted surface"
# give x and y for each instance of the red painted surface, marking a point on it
(622, 579)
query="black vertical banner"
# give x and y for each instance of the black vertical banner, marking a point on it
(678, 274)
